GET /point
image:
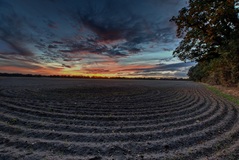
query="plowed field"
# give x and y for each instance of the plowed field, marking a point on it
(47, 118)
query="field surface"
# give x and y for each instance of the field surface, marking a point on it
(47, 118)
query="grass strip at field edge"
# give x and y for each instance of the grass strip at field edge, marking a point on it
(220, 93)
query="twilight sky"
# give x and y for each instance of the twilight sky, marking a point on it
(130, 38)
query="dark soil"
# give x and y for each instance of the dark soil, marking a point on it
(46, 118)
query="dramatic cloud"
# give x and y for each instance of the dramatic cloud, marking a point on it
(91, 37)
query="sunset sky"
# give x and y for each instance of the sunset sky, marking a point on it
(129, 38)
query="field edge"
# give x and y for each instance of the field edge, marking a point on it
(232, 98)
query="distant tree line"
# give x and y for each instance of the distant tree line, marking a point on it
(67, 76)
(210, 32)
(86, 77)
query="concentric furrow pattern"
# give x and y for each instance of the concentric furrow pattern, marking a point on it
(115, 119)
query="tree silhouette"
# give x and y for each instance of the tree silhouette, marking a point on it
(210, 32)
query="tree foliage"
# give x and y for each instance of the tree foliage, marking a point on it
(210, 32)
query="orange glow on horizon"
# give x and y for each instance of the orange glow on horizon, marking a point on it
(42, 71)
(109, 70)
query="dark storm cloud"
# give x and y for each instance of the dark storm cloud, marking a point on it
(138, 22)
(170, 67)
(164, 70)
(18, 64)
(63, 32)
(163, 67)
(12, 35)
(78, 26)
(13, 57)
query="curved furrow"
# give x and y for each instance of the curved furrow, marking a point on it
(58, 115)
(46, 115)
(104, 128)
(151, 122)
(158, 120)
(212, 146)
(223, 152)
(97, 128)
(29, 116)
(119, 136)
(190, 102)
(85, 149)
(135, 111)
(75, 107)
